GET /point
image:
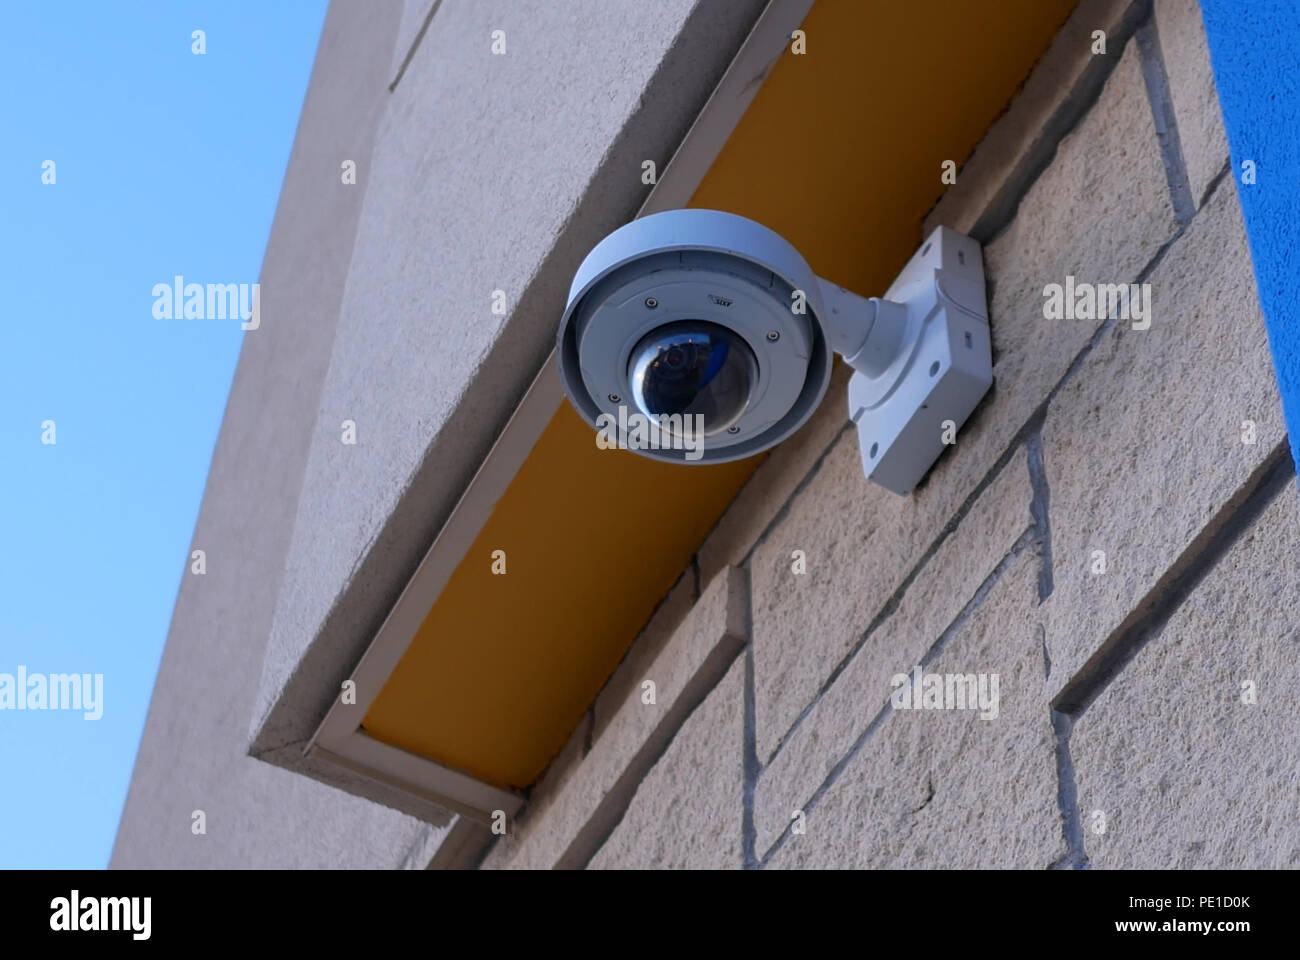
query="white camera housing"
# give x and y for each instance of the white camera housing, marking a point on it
(921, 356)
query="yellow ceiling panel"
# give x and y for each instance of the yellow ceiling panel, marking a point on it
(504, 666)
(841, 150)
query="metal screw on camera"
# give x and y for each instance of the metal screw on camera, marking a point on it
(651, 302)
(733, 429)
(773, 336)
(615, 398)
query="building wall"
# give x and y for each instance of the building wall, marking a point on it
(474, 172)
(193, 752)
(1110, 536)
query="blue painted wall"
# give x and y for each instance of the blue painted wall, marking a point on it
(1255, 52)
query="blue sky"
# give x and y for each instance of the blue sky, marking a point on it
(166, 163)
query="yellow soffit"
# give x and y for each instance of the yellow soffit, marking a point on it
(840, 151)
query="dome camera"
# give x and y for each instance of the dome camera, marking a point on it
(697, 336)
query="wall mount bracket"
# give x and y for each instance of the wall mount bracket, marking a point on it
(921, 357)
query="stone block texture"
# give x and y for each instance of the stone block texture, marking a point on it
(687, 812)
(1188, 758)
(1145, 449)
(946, 788)
(1156, 440)
(1191, 92)
(832, 724)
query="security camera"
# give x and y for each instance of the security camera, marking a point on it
(698, 336)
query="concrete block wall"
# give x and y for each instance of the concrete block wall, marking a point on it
(1110, 540)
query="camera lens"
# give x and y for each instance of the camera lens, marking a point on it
(693, 367)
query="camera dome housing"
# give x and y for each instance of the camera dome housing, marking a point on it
(697, 312)
(694, 368)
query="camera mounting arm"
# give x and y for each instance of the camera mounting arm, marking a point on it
(921, 356)
(866, 331)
